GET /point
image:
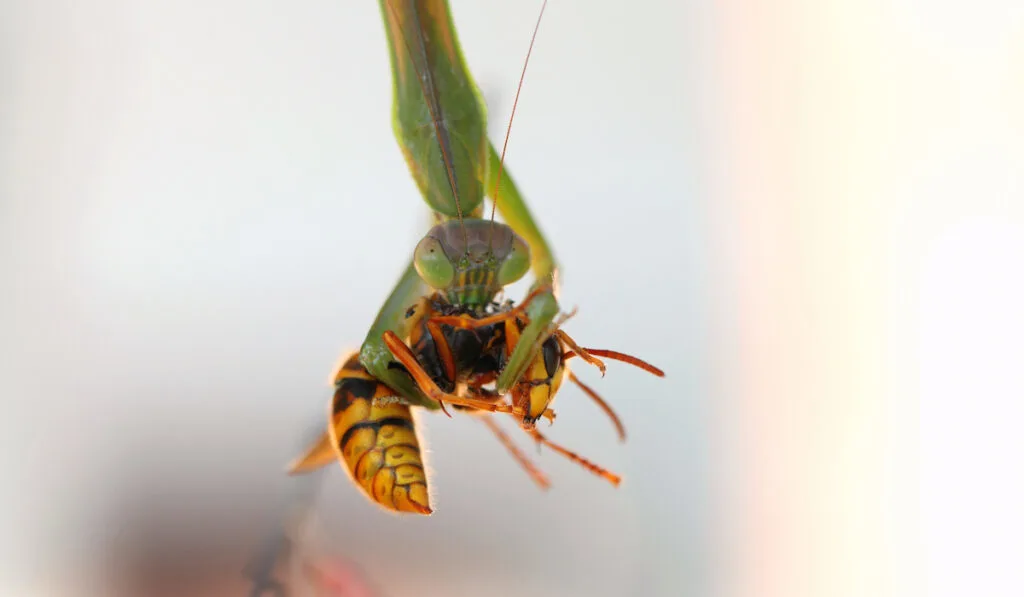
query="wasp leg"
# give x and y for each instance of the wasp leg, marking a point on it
(444, 351)
(469, 324)
(580, 352)
(535, 473)
(396, 316)
(590, 466)
(600, 402)
(405, 356)
(617, 356)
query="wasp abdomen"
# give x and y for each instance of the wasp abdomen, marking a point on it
(375, 437)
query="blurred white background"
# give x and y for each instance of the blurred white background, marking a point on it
(808, 213)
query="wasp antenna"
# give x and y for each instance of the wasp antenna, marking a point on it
(515, 102)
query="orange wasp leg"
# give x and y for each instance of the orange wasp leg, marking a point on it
(616, 356)
(405, 356)
(580, 352)
(535, 473)
(600, 402)
(573, 456)
(470, 323)
(444, 351)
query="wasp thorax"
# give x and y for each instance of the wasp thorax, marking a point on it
(471, 260)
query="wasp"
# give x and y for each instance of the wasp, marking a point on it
(459, 341)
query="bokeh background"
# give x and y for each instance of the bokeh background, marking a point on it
(809, 213)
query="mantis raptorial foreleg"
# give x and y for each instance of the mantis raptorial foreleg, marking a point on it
(374, 353)
(543, 309)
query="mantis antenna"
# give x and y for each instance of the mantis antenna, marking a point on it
(508, 130)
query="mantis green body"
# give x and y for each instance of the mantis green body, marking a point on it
(439, 120)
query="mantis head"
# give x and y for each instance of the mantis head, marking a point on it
(471, 261)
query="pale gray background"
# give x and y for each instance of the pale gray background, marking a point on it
(809, 213)
(203, 204)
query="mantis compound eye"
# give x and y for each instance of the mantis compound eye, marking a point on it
(516, 262)
(432, 264)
